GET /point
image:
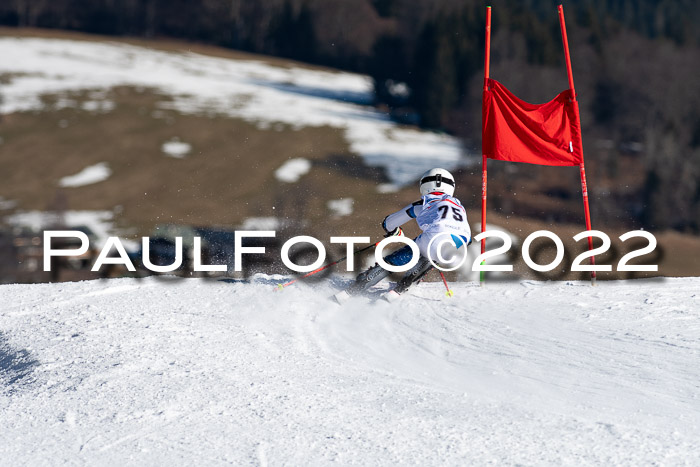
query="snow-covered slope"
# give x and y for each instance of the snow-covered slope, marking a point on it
(195, 372)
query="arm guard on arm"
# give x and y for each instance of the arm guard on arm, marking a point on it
(399, 218)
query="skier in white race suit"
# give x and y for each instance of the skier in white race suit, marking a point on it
(443, 220)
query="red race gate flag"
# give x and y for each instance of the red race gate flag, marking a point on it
(546, 134)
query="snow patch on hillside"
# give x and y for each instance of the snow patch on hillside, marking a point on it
(252, 90)
(99, 223)
(293, 169)
(261, 223)
(176, 148)
(341, 207)
(161, 371)
(88, 176)
(6, 204)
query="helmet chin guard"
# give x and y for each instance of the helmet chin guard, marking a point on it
(437, 180)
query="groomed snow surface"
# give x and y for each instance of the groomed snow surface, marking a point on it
(145, 372)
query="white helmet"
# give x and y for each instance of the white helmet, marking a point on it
(439, 180)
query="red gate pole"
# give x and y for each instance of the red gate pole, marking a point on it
(584, 187)
(487, 63)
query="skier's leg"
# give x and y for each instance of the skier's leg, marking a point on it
(414, 275)
(376, 273)
(367, 279)
(428, 249)
(434, 250)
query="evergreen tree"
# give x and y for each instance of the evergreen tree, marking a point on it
(292, 34)
(434, 79)
(305, 36)
(388, 63)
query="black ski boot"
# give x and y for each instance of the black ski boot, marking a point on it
(363, 282)
(416, 274)
(366, 279)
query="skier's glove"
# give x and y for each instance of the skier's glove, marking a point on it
(397, 232)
